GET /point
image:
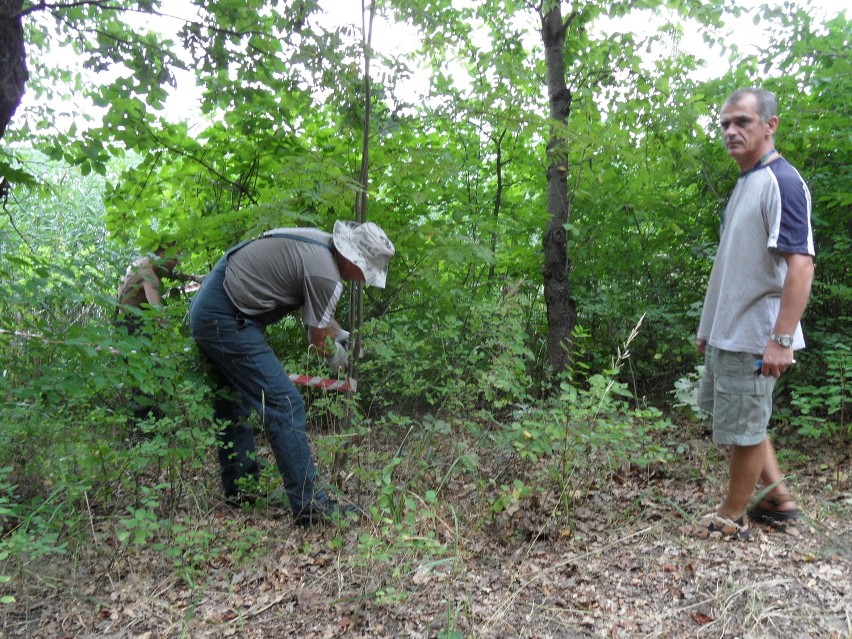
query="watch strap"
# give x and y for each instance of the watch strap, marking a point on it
(786, 341)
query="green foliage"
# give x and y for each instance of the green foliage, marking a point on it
(684, 393)
(5, 599)
(510, 498)
(34, 527)
(70, 381)
(409, 531)
(456, 180)
(585, 432)
(455, 344)
(821, 410)
(142, 524)
(484, 354)
(186, 545)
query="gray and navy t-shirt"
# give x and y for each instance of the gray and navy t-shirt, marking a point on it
(275, 275)
(769, 213)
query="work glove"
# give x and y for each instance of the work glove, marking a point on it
(339, 359)
(342, 338)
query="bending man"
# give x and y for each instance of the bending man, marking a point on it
(255, 284)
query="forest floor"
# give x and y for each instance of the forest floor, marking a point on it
(621, 564)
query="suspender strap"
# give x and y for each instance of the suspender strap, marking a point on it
(236, 248)
(284, 235)
(298, 239)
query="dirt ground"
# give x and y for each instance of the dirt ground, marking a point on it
(621, 565)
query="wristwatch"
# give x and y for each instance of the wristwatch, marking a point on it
(785, 341)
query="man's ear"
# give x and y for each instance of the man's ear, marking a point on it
(772, 123)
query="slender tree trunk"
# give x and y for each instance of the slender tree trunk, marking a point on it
(356, 295)
(498, 200)
(13, 62)
(561, 310)
(356, 309)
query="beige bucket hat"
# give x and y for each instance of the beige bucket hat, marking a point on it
(367, 247)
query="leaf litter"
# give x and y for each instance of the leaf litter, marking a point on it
(617, 563)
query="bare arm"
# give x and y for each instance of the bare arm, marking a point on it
(150, 284)
(180, 276)
(141, 285)
(794, 299)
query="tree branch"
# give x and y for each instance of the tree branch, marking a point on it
(44, 6)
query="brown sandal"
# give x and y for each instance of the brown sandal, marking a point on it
(714, 526)
(773, 515)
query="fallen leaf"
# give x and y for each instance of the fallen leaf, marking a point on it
(700, 618)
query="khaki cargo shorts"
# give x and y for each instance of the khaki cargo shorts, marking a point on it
(739, 400)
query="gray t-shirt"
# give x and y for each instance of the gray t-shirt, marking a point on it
(272, 276)
(769, 213)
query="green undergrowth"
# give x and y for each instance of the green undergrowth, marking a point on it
(81, 476)
(107, 447)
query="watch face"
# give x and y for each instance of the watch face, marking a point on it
(784, 340)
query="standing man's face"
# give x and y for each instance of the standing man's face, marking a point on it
(747, 137)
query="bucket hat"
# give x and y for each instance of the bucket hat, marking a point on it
(367, 247)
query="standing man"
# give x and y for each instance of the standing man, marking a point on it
(749, 329)
(255, 284)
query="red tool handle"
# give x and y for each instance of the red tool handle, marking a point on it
(347, 385)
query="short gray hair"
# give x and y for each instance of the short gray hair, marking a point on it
(767, 105)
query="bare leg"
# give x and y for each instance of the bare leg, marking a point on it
(772, 476)
(747, 465)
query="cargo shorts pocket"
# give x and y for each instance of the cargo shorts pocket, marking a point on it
(743, 406)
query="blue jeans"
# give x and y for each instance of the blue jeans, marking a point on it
(251, 377)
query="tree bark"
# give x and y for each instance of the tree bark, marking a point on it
(13, 62)
(561, 309)
(498, 199)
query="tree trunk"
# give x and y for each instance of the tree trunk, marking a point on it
(356, 295)
(498, 200)
(13, 63)
(561, 310)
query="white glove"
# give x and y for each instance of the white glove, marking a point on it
(342, 338)
(339, 359)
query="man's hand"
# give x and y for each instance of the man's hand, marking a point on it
(323, 339)
(332, 343)
(342, 338)
(338, 360)
(776, 359)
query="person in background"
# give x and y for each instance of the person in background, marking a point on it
(255, 284)
(750, 323)
(141, 289)
(142, 285)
